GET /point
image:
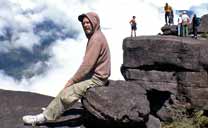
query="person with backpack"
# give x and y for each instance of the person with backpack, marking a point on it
(185, 23)
(168, 10)
(133, 26)
(195, 24)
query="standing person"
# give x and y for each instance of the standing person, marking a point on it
(195, 24)
(133, 26)
(185, 23)
(167, 10)
(180, 25)
(94, 71)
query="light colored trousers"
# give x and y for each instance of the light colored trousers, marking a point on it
(68, 96)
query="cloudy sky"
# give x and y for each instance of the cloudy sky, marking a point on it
(51, 27)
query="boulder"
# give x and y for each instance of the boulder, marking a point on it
(158, 80)
(153, 122)
(165, 53)
(203, 27)
(177, 65)
(15, 104)
(194, 87)
(169, 30)
(121, 103)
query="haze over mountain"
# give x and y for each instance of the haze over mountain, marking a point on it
(42, 42)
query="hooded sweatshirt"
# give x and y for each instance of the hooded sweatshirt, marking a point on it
(96, 61)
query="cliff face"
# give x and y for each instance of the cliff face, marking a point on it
(168, 63)
(164, 75)
(203, 28)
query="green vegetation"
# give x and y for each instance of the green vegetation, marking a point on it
(205, 35)
(196, 120)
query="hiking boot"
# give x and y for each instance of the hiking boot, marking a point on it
(34, 119)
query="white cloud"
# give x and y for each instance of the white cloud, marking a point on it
(25, 40)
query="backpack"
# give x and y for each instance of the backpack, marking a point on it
(198, 21)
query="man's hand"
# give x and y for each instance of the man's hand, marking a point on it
(69, 83)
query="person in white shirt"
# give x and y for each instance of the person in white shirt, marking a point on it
(185, 23)
(180, 25)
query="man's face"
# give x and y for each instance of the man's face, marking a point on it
(87, 26)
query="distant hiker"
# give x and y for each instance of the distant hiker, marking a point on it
(133, 26)
(94, 71)
(180, 25)
(195, 24)
(167, 10)
(185, 23)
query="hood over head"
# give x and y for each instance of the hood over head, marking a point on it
(94, 19)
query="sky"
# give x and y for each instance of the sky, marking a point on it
(67, 53)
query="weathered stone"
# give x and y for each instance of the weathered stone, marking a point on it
(164, 53)
(193, 79)
(121, 102)
(15, 104)
(196, 96)
(169, 30)
(173, 65)
(153, 122)
(165, 114)
(193, 86)
(158, 80)
(203, 27)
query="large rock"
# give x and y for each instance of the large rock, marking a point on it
(169, 30)
(153, 122)
(158, 80)
(15, 104)
(203, 27)
(177, 65)
(119, 103)
(194, 87)
(165, 53)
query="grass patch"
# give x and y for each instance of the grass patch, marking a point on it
(204, 35)
(198, 119)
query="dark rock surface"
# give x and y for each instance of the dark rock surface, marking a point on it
(169, 30)
(158, 80)
(15, 104)
(203, 27)
(153, 122)
(120, 103)
(168, 63)
(165, 53)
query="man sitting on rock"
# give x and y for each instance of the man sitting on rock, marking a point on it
(94, 71)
